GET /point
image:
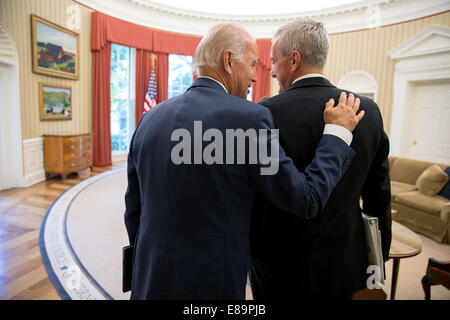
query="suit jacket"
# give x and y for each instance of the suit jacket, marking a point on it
(190, 223)
(325, 256)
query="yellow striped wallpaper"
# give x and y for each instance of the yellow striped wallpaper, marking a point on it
(15, 14)
(365, 50)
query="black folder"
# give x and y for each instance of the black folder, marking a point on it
(127, 267)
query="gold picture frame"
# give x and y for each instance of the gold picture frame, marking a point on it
(56, 50)
(55, 102)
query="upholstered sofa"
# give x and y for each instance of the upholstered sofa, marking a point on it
(415, 188)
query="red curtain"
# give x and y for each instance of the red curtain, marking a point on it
(261, 88)
(106, 30)
(168, 42)
(143, 71)
(162, 75)
(101, 106)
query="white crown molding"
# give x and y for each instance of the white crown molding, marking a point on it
(257, 18)
(356, 16)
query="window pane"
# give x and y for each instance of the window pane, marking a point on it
(120, 124)
(120, 70)
(250, 93)
(122, 96)
(180, 74)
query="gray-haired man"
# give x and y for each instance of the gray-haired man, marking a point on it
(324, 257)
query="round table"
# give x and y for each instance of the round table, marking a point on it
(405, 244)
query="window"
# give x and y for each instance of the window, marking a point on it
(250, 93)
(180, 74)
(123, 66)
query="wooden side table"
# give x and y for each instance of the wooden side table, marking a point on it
(67, 153)
(405, 244)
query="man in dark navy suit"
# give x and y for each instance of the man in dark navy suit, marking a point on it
(324, 257)
(192, 180)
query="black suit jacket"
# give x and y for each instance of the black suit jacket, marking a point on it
(190, 223)
(324, 256)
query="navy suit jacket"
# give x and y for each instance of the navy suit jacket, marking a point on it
(324, 257)
(190, 223)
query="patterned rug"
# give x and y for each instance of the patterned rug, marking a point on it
(83, 232)
(82, 235)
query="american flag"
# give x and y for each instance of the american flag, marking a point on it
(150, 96)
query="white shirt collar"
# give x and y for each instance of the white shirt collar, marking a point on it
(215, 81)
(309, 75)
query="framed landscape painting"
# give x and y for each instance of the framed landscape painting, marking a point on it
(55, 102)
(55, 49)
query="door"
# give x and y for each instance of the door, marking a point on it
(426, 127)
(11, 172)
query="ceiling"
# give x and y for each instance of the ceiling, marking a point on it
(252, 7)
(196, 17)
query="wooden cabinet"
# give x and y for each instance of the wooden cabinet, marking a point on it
(67, 153)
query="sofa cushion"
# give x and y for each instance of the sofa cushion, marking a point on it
(445, 192)
(398, 187)
(431, 181)
(407, 170)
(391, 161)
(419, 201)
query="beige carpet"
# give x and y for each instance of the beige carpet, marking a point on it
(411, 271)
(96, 231)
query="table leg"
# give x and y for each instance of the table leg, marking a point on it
(396, 265)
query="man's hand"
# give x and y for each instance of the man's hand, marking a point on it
(344, 114)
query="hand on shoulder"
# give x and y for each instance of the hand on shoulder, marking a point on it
(345, 113)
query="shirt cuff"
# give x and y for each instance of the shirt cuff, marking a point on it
(339, 132)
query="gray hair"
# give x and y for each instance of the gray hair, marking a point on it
(308, 37)
(218, 39)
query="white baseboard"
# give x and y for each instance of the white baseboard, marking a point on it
(34, 178)
(119, 158)
(33, 161)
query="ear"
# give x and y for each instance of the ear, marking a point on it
(296, 60)
(227, 61)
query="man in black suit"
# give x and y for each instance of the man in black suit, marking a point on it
(324, 257)
(189, 201)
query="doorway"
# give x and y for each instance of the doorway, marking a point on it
(11, 168)
(426, 125)
(420, 111)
